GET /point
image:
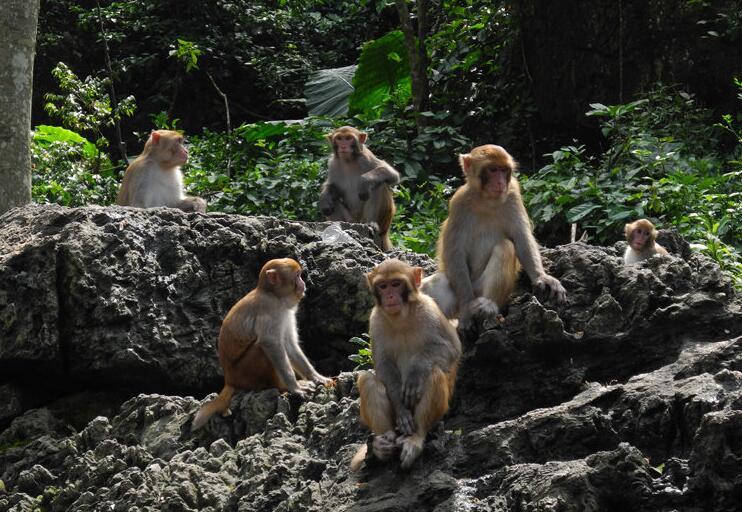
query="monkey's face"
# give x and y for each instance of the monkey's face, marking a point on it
(640, 234)
(283, 278)
(391, 295)
(346, 145)
(299, 286)
(495, 180)
(346, 142)
(168, 148)
(394, 285)
(488, 169)
(640, 238)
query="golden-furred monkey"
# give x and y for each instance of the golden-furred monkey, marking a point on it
(154, 178)
(416, 352)
(485, 240)
(641, 235)
(259, 341)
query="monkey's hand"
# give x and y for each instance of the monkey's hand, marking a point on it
(481, 307)
(326, 204)
(550, 287)
(412, 389)
(322, 381)
(302, 388)
(405, 421)
(365, 187)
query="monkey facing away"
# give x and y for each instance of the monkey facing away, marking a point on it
(416, 352)
(358, 184)
(259, 341)
(485, 240)
(154, 178)
(641, 235)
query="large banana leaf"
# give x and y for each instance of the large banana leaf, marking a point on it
(45, 134)
(383, 69)
(327, 91)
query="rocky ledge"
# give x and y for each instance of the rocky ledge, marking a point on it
(626, 397)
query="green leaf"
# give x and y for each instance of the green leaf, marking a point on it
(45, 134)
(327, 91)
(580, 211)
(261, 131)
(379, 74)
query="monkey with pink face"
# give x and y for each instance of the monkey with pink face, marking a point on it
(641, 236)
(154, 178)
(485, 241)
(358, 185)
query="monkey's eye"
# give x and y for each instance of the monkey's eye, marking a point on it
(396, 283)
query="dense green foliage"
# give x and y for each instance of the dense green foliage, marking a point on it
(661, 156)
(69, 170)
(268, 46)
(664, 161)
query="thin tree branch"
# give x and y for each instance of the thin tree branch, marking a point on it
(114, 101)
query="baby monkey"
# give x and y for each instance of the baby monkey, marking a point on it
(641, 235)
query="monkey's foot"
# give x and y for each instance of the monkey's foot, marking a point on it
(383, 446)
(305, 387)
(412, 447)
(478, 309)
(323, 381)
(482, 306)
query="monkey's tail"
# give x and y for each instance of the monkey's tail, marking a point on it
(220, 404)
(357, 461)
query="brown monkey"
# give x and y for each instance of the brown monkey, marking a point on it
(485, 239)
(641, 235)
(154, 178)
(358, 184)
(259, 342)
(416, 353)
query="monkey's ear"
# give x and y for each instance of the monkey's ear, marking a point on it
(417, 274)
(627, 230)
(272, 276)
(362, 136)
(329, 138)
(155, 136)
(465, 162)
(369, 281)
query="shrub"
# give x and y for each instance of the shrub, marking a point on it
(661, 163)
(69, 170)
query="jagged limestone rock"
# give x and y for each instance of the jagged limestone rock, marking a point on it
(626, 397)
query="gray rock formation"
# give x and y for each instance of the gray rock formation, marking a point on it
(626, 397)
(134, 298)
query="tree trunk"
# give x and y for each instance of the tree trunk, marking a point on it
(417, 54)
(18, 19)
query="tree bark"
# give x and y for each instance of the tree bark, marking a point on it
(18, 20)
(417, 54)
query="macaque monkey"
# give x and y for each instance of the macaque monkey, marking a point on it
(416, 354)
(641, 235)
(259, 342)
(485, 239)
(358, 184)
(154, 178)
